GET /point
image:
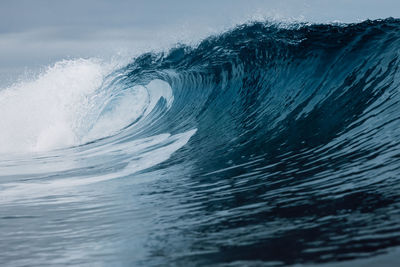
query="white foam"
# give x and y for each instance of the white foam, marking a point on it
(41, 114)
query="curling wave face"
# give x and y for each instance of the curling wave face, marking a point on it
(268, 143)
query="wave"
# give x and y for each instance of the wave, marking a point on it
(286, 136)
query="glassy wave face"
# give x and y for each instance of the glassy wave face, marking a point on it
(267, 144)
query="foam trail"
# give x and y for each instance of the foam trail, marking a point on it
(139, 159)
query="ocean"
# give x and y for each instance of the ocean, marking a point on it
(269, 144)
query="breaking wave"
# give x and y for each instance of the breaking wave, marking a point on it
(268, 143)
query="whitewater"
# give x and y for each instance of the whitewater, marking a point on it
(267, 144)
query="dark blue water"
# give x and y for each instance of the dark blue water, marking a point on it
(267, 144)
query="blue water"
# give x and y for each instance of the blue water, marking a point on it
(268, 144)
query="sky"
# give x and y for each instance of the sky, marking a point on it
(34, 34)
